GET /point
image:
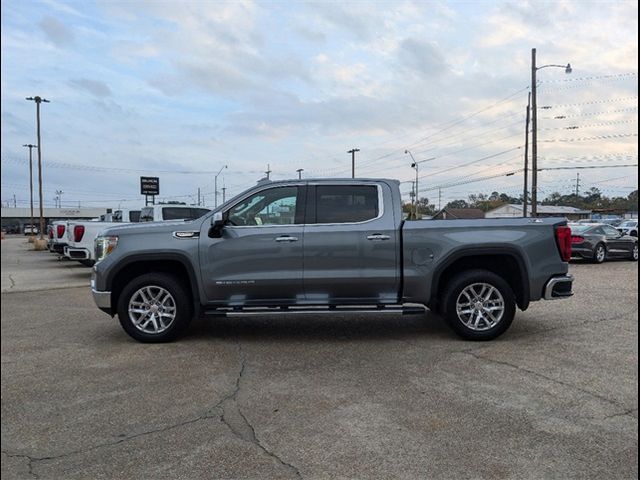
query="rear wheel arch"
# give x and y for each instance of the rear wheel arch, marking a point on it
(506, 262)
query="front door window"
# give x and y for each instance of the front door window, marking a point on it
(275, 206)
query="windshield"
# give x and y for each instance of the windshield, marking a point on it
(629, 224)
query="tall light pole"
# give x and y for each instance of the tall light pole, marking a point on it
(30, 147)
(300, 170)
(215, 187)
(534, 128)
(415, 166)
(353, 161)
(38, 100)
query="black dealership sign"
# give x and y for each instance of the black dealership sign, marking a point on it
(149, 185)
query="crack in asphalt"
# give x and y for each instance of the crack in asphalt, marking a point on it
(622, 414)
(29, 459)
(550, 379)
(226, 410)
(231, 415)
(618, 316)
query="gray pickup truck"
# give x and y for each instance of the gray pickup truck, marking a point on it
(327, 246)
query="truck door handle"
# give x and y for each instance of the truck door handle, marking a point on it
(286, 238)
(378, 236)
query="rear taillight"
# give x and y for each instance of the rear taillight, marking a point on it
(577, 239)
(60, 230)
(563, 239)
(78, 232)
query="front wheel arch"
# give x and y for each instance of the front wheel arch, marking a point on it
(182, 308)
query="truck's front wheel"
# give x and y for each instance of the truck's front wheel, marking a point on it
(479, 305)
(154, 308)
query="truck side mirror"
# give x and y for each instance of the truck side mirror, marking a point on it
(217, 225)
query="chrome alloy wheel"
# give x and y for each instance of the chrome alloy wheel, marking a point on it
(152, 309)
(635, 252)
(480, 306)
(601, 253)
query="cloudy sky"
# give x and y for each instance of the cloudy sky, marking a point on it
(181, 89)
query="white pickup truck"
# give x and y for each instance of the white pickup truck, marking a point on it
(57, 237)
(80, 235)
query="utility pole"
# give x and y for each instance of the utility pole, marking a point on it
(534, 137)
(39, 100)
(353, 161)
(578, 184)
(15, 205)
(30, 147)
(224, 194)
(534, 129)
(59, 196)
(525, 198)
(300, 170)
(199, 196)
(439, 198)
(268, 172)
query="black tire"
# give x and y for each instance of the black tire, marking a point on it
(454, 289)
(181, 299)
(634, 253)
(87, 263)
(597, 258)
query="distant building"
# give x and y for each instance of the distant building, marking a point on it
(458, 214)
(14, 219)
(515, 211)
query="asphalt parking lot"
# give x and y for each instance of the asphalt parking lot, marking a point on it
(341, 397)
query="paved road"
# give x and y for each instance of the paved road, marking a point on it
(341, 397)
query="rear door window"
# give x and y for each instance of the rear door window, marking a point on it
(174, 213)
(346, 203)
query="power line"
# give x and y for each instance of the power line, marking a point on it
(592, 102)
(473, 161)
(585, 167)
(621, 76)
(591, 114)
(592, 125)
(584, 139)
(84, 167)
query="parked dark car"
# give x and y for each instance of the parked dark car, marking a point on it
(598, 242)
(629, 227)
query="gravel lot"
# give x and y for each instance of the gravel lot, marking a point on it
(341, 397)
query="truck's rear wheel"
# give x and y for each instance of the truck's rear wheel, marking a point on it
(479, 305)
(154, 308)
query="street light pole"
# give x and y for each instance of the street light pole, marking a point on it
(59, 194)
(415, 165)
(300, 170)
(38, 100)
(215, 187)
(30, 147)
(534, 128)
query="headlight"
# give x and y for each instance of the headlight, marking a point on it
(104, 246)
